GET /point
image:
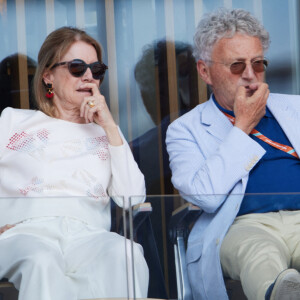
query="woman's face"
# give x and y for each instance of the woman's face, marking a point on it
(68, 94)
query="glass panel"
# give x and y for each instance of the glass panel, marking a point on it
(152, 77)
(155, 235)
(164, 232)
(85, 234)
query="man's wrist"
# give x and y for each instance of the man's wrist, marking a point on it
(246, 128)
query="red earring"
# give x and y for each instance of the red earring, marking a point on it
(49, 93)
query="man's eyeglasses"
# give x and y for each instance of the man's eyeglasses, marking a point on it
(78, 67)
(238, 67)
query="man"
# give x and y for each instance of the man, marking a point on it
(243, 140)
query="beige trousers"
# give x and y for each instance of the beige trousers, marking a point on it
(258, 247)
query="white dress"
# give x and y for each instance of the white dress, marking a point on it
(55, 181)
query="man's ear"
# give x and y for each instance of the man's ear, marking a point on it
(203, 71)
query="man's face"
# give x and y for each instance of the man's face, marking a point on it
(225, 52)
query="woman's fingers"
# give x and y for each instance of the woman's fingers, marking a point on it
(6, 227)
(94, 104)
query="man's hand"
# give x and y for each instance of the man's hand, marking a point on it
(249, 110)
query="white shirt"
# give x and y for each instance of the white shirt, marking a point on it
(54, 167)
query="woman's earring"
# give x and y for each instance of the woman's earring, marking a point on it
(49, 93)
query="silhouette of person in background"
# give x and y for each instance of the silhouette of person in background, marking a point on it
(10, 81)
(151, 74)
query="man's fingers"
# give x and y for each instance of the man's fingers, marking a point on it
(261, 92)
(240, 94)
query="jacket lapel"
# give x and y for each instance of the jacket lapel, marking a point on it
(215, 121)
(287, 117)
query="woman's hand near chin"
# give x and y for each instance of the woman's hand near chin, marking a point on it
(95, 109)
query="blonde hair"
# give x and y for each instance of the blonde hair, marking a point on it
(55, 46)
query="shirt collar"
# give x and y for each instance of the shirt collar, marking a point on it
(231, 113)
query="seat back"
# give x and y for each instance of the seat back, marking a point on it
(8, 291)
(179, 227)
(181, 222)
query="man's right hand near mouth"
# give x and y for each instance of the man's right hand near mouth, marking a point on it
(249, 108)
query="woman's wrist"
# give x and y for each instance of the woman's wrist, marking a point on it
(113, 135)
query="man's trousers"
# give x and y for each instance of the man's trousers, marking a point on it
(258, 247)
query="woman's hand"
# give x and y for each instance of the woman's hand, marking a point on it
(95, 109)
(6, 227)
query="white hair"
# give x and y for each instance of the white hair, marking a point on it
(226, 23)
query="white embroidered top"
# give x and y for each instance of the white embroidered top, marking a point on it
(53, 167)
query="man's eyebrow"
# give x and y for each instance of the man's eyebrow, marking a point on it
(258, 57)
(252, 59)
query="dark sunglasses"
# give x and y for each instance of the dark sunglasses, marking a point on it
(239, 67)
(78, 67)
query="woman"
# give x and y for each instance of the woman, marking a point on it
(60, 163)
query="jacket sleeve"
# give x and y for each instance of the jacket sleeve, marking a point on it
(127, 181)
(205, 169)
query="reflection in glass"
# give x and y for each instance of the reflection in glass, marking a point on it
(131, 32)
(153, 77)
(10, 93)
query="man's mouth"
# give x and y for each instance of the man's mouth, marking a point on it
(250, 90)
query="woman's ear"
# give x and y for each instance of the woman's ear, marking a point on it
(203, 71)
(48, 77)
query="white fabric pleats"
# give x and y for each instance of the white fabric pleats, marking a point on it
(63, 258)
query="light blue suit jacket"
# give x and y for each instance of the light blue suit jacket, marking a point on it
(210, 161)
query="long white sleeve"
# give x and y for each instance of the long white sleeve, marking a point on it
(50, 159)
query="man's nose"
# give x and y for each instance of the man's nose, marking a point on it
(248, 73)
